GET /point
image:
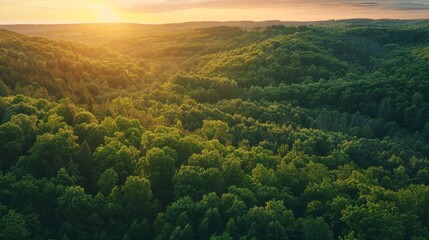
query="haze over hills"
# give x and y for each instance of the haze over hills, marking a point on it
(62, 31)
(215, 130)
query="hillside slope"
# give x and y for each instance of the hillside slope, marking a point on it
(279, 132)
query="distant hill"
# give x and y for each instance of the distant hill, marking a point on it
(81, 31)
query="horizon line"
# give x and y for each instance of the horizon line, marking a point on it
(221, 21)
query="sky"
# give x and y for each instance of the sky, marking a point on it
(173, 11)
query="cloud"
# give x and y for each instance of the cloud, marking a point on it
(173, 5)
(410, 6)
(367, 4)
(393, 4)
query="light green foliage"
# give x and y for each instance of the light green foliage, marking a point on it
(273, 221)
(216, 130)
(12, 226)
(374, 221)
(121, 158)
(84, 117)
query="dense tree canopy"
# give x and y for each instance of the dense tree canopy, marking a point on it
(278, 132)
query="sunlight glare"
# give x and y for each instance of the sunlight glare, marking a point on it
(105, 13)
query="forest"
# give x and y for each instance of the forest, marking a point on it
(283, 131)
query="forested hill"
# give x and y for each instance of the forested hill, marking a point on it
(199, 131)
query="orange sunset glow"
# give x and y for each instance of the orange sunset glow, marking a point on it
(167, 11)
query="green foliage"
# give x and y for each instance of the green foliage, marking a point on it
(107, 181)
(12, 226)
(316, 229)
(77, 211)
(374, 221)
(216, 130)
(276, 132)
(137, 196)
(122, 159)
(12, 141)
(159, 168)
(50, 153)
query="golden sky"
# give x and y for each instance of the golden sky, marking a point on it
(168, 11)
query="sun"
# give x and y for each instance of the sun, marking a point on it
(105, 13)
